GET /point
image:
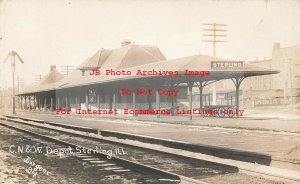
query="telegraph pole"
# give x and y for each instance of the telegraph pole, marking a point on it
(20, 83)
(66, 69)
(38, 78)
(213, 33)
(13, 55)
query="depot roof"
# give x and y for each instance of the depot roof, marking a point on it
(191, 63)
(46, 83)
(126, 56)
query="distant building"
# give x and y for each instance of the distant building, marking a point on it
(264, 90)
(279, 89)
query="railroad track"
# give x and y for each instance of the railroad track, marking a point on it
(166, 167)
(170, 168)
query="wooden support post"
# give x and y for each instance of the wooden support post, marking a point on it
(39, 103)
(45, 104)
(237, 82)
(190, 100)
(134, 102)
(172, 101)
(157, 102)
(76, 102)
(21, 104)
(67, 102)
(110, 101)
(87, 101)
(115, 101)
(98, 101)
(29, 102)
(149, 101)
(237, 101)
(51, 104)
(58, 103)
(25, 103)
(35, 104)
(201, 94)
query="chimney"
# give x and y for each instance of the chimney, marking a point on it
(125, 42)
(52, 68)
(276, 46)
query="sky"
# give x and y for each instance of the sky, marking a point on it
(66, 32)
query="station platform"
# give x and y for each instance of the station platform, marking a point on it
(276, 137)
(277, 120)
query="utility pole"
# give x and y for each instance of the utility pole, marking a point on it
(20, 83)
(13, 55)
(38, 78)
(213, 34)
(66, 69)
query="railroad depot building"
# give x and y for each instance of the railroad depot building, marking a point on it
(136, 77)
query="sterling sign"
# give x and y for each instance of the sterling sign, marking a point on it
(227, 65)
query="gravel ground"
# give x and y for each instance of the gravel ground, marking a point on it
(238, 178)
(14, 169)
